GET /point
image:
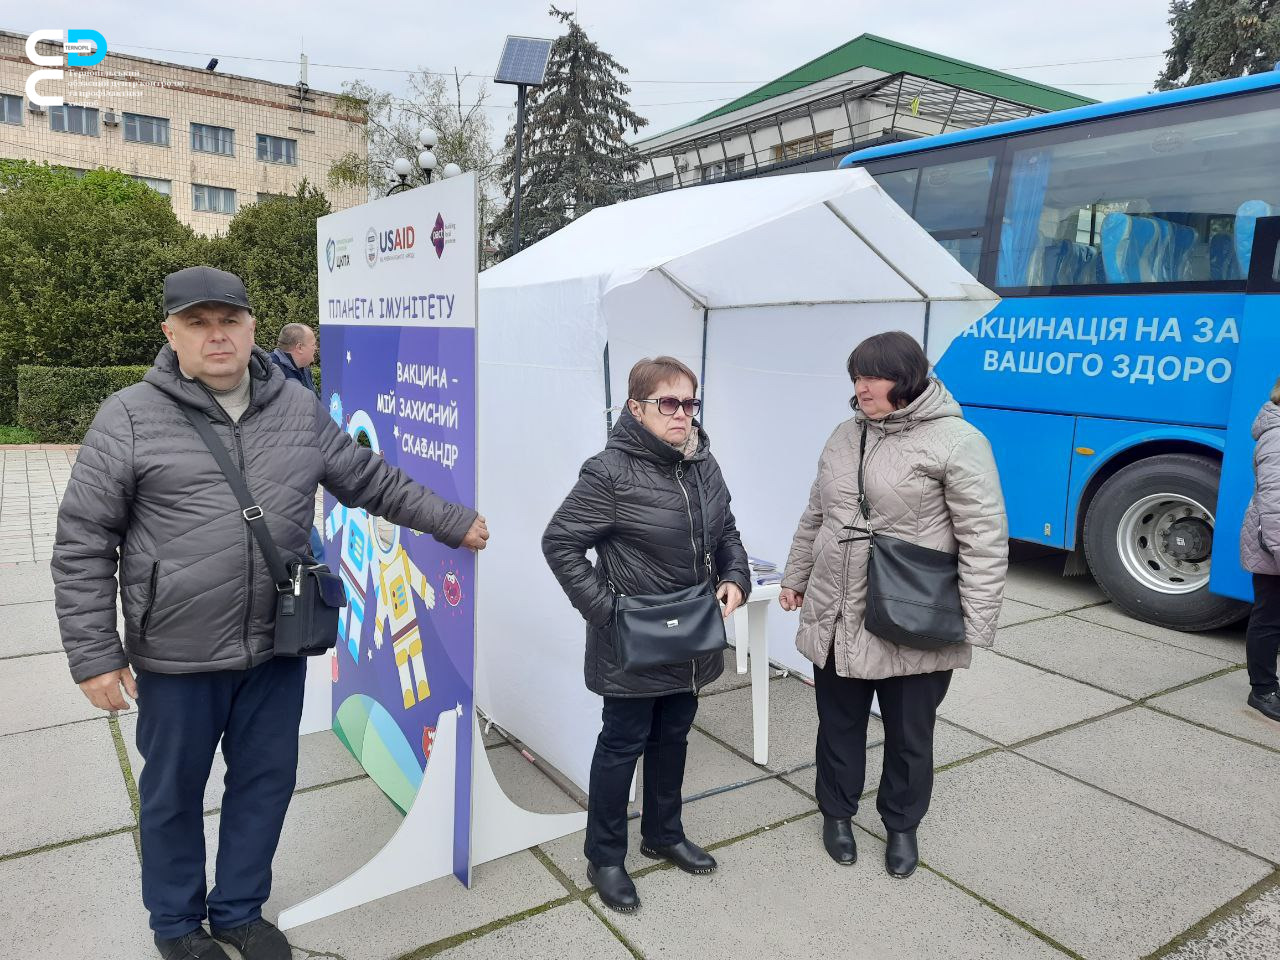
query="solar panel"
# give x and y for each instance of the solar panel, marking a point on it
(524, 61)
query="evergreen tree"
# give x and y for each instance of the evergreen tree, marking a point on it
(1217, 39)
(574, 155)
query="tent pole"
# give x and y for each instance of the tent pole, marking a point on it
(706, 320)
(608, 394)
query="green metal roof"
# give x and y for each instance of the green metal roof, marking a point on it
(892, 57)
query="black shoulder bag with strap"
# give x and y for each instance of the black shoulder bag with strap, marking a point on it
(660, 629)
(913, 592)
(308, 594)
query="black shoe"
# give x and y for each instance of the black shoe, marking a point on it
(196, 945)
(615, 887)
(688, 856)
(901, 856)
(256, 940)
(837, 837)
(1267, 704)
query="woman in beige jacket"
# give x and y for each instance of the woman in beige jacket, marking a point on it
(930, 480)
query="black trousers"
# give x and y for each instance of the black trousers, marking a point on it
(908, 707)
(180, 719)
(658, 727)
(1262, 640)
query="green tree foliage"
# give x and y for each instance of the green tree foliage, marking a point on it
(575, 157)
(1218, 39)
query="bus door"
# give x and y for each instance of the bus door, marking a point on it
(1257, 368)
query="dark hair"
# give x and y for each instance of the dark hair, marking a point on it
(647, 374)
(894, 356)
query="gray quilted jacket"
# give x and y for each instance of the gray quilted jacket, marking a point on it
(1260, 533)
(146, 502)
(931, 480)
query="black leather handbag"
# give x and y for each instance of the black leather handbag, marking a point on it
(308, 594)
(658, 629)
(913, 592)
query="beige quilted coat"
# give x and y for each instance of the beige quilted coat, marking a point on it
(931, 480)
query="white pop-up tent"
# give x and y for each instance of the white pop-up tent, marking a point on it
(763, 287)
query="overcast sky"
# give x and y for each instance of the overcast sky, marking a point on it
(685, 57)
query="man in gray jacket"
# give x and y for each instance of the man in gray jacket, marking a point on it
(147, 503)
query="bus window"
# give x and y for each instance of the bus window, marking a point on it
(1167, 204)
(901, 186)
(949, 200)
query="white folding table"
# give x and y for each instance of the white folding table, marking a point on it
(751, 642)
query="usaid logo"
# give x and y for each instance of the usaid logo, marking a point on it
(393, 244)
(83, 48)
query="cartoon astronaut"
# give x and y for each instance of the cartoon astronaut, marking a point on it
(357, 550)
(397, 581)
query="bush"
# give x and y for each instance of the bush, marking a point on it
(16, 435)
(57, 404)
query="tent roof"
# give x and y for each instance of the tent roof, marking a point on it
(829, 237)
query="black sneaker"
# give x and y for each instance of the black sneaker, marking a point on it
(196, 945)
(1267, 704)
(256, 940)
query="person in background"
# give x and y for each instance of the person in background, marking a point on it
(295, 352)
(930, 480)
(1260, 555)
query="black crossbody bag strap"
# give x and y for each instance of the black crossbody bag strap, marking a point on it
(249, 508)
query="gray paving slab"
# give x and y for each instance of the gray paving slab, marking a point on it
(1012, 612)
(810, 907)
(81, 900)
(526, 785)
(1123, 663)
(59, 784)
(568, 932)
(1040, 583)
(1195, 776)
(332, 831)
(708, 821)
(38, 691)
(1247, 934)
(1220, 703)
(1007, 701)
(950, 744)
(1101, 876)
(321, 759)
(29, 628)
(1226, 644)
(24, 582)
(793, 721)
(729, 680)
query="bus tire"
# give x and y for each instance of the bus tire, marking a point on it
(1147, 534)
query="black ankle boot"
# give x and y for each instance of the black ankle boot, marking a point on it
(1267, 704)
(901, 856)
(837, 837)
(686, 855)
(615, 887)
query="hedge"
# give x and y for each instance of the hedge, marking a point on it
(58, 403)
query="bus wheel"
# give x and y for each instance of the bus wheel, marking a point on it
(1148, 536)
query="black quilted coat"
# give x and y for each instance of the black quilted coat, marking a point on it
(637, 504)
(147, 503)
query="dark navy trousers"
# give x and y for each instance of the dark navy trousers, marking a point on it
(180, 720)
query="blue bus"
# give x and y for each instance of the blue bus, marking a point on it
(1134, 247)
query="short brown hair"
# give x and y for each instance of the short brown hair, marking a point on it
(648, 373)
(892, 356)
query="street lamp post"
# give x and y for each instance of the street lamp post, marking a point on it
(426, 163)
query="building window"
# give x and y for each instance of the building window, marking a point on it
(164, 187)
(722, 168)
(143, 129)
(277, 149)
(205, 199)
(10, 109)
(207, 139)
(656, 185)
(803, 147)
(69, 119)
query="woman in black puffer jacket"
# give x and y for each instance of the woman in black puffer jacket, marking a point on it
(637, 504)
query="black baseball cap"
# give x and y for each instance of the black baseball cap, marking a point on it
(186, 288)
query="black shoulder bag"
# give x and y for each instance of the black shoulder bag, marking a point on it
(308, 594)
(659, 629)
(913, 592)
